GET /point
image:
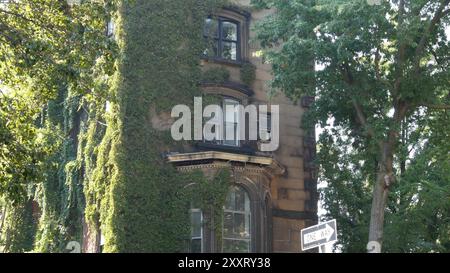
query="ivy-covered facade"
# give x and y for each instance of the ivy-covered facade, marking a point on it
(120, 183)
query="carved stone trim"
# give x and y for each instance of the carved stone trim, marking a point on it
(274, 166)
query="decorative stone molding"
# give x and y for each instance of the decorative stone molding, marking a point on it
(228, 88)
(253, 173)
(267, 162)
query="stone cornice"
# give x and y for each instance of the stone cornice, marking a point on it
(267, 162)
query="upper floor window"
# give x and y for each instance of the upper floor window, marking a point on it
(236, 222)
(266, 127)
(222, 36)
(229, 135)
(231, 122)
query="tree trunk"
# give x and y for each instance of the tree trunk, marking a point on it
(380, 195)
(2, 232)
(2, 220)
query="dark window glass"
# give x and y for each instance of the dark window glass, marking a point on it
(222, 38)
(196, 231)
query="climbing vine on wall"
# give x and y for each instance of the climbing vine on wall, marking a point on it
(106, 172)
(209, 194)
(248, 73)
(135, 195)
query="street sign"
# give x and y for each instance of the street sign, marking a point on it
(319, 235)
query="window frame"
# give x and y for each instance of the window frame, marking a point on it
(267, 129)
(237, 141)
(237, 122)
(247, 215)
(220, 40)
(192, 237)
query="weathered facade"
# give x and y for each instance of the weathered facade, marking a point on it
(120, 183)
(280, 186)
(272, 195)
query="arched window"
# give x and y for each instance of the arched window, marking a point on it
(237, 222)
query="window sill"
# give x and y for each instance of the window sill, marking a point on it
(224, 148)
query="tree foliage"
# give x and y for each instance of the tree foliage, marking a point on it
(93, 100)
(54, 58)
(382, 78)
(144, 208)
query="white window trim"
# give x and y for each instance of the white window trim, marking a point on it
(201, 228)
(236, 123)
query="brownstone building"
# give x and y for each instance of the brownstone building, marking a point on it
(274, 194)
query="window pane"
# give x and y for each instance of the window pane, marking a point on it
(211, 48)
(196, 223)
(230, 113)
(211, 28)
(242, 246)
(228, 224)
(229, 50)
(229, 31)
(236, 246)
(239, 226)
(240, 200)
(230, 201)
(231, 134)
(231, 110)
(237, 221)
(227, 246)
(266, 128)
(231, 122)
(247, 226)
(196, 246)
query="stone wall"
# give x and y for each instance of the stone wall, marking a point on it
(294, 195)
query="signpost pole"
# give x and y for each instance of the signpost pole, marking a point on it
(323, 249)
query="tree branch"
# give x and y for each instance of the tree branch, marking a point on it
(348, 78)
(377, 64)
(17, 15)
(436, 106)
(362, 118)
(48, 27)
(401, 50)
(440, 13)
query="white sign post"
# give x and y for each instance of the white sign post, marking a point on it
(319, 235)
